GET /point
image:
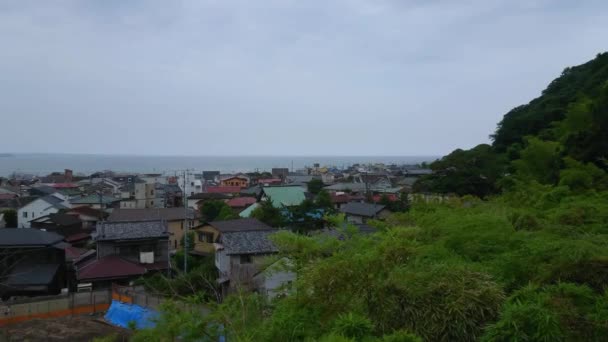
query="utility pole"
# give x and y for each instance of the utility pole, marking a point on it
(186, 225)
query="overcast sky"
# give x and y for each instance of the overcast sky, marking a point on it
(279, 77)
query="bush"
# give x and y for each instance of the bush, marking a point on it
(353, 326)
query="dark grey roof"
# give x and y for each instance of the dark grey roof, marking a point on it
(240, 225)
(346, 186)
(208, 196)
(210, 175)
(250, 242)
(131, 230)
(19, 237)
(54, 201)
(361, 209)
(252, 191)
(32, 274)
(166, 214)
(45, 189)
(172, 188)
(16, 203)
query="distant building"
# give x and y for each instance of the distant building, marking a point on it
(39, 207)
(240, 181)
(211, 176)
(280, 172)
(357, 212)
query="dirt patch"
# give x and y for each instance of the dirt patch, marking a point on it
(77, 328)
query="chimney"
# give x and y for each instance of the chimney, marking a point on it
(68, 175)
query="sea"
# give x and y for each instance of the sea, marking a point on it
(43, 164)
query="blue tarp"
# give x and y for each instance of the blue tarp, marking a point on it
(121, 314)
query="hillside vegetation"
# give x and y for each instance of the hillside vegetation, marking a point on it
(520, 255)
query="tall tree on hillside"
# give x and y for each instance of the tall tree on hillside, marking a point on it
(315, 186)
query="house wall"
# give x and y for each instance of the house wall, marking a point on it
(273, 284)
(130, 250)
(204, 247)
(128, 204)
(34, 210)
(354, 219)
(235, 181)
(177, 229)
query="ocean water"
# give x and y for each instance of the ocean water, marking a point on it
(42, 164)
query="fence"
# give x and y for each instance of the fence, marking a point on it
(73, 304)
(55, 306)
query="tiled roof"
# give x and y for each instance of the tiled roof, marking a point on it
(209, 196)
(346, 186)
(59, 219)
(166, 214)
(131, 230)
(241, 202)
(28, 237)
(94, 199)
(88, 211)
(361, 209)
(250, 242)
(240, 225)
(54, 201)
(285, 195)
(32, 274)
(223, 189)
(110, 267)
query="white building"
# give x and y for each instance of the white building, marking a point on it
(40, 207)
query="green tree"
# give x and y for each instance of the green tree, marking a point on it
(540, 161)
(267, 213)
(10, 217)
(323, 201)
(211, 210)
(315, 186)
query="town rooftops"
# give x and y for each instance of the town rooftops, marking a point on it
(131, 230)
(249, 242)
(22, 237)
(247, 212)
(223, 189)
(59, 219)
(25, 273)
(240, 202)
(110, 267)
(95, 199)
(240, 225)
(209, 196)
(361, 209)
(165, 214)
(285, 196)
(356, 187)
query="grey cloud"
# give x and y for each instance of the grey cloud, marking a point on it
(279, 77)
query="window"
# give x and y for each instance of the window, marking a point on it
(246, 259)
(151, 202)
(205, 237)
(25, 214)
(151, 192)
(191, 183)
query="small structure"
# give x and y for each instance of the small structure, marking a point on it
(32, 262)
(238, 180)
(39, 207)
(210, 232)
(177, 219)
(125, 251)
(357, 212)
(284, 196)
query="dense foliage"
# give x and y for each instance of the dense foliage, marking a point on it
(216, 210)
(10, 218)
(525, 259)
(565, 125)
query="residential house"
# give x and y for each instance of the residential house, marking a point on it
(211, 176)
(66, 225)
(357, 188)
(209, 233)
(32, 262)
(227, 190)
(177, 220)
(301, 180)
(357, 212)
(126, 251)
(270, 181)
(144, 194)
(88, 215)
(192, 185)
(239, 204)
(242, 255)
(280, 172)
(284, 196)
(96, 201)
(174, 196)
(39, 207)
(238, 180)
(195, 201)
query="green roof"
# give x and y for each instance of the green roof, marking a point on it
(247, 212)
(94, 199)
(285, 196)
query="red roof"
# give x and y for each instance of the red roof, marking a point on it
(110, 267)
(224, 189)
(340, 198)
(7, 196)
(240, 202)
(391, 197)
(88, 211)
(77, 237)
(74, 252)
